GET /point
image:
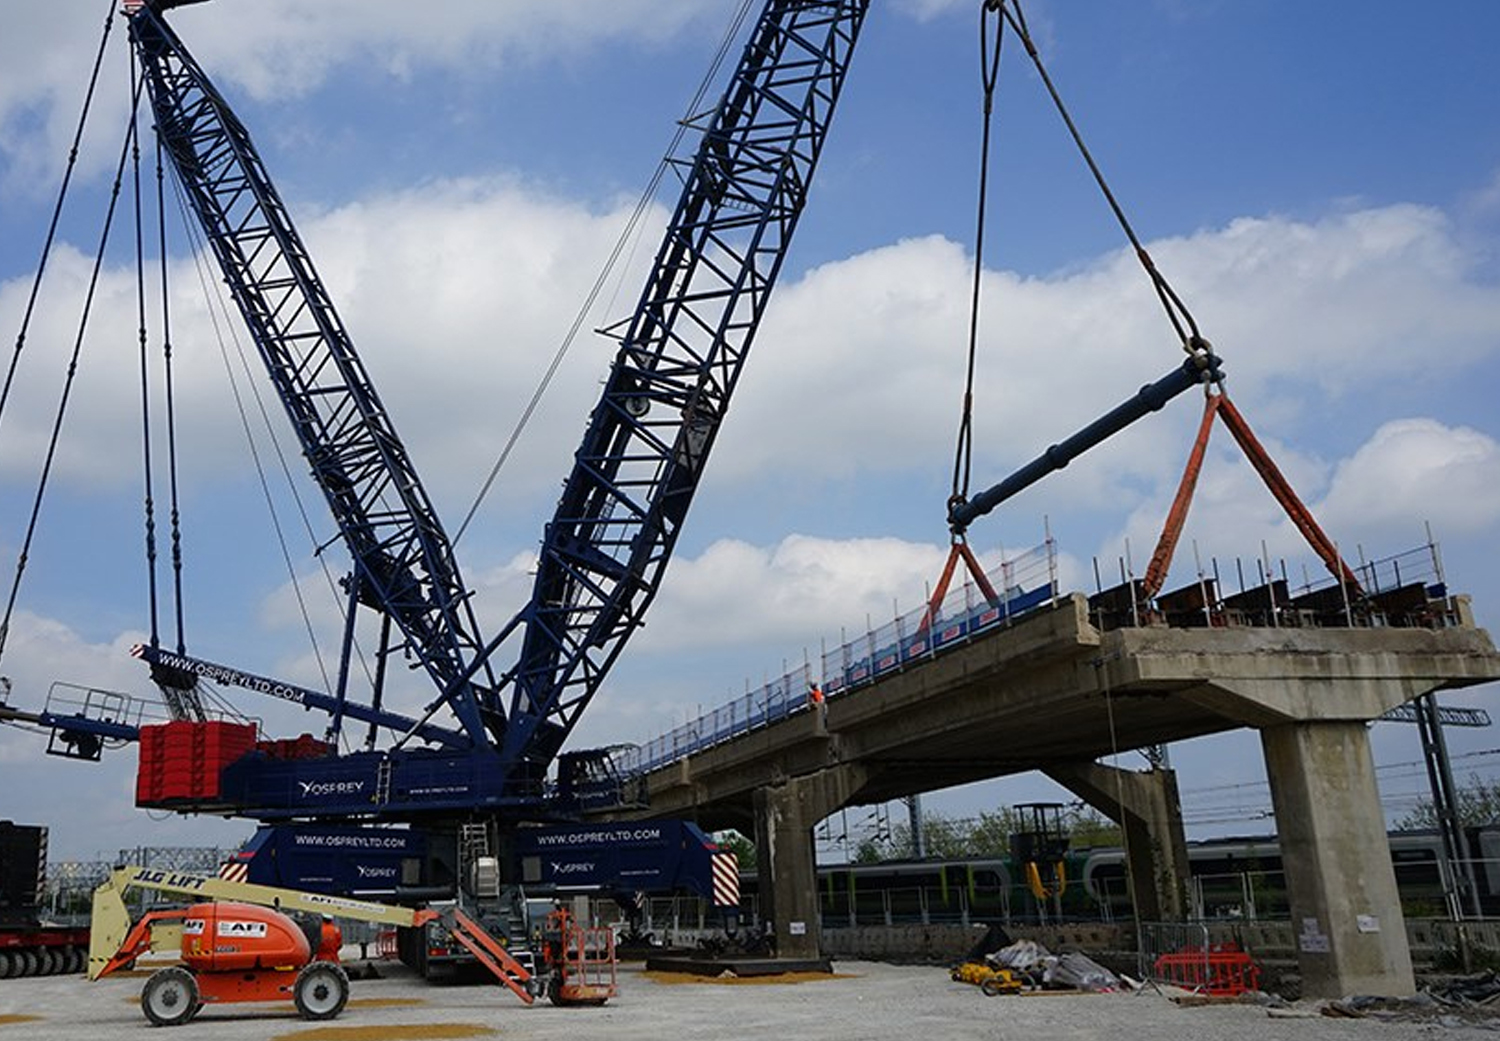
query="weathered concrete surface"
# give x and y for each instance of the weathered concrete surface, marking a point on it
(1262, 677)
(860, 1001)
(1351, 933)
(785, 815)
(1147, 807)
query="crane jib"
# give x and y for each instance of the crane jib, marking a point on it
(622, 507)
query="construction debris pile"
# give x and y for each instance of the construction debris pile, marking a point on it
(1457, 1002)
(1027, 965)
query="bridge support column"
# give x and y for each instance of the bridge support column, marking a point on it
(1148, 810)
(786, 860)
(1351, 935)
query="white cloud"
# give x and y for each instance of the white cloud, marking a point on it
(1411, 477)
(859, 365)
(281, 47)
(458, 292)
(1419, 468)
(456, 295)
(276, 49)
(738, 594)
(88, 806)
(1486, 201)
(1345, 302)
(926, 10)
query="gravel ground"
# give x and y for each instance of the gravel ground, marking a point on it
(863, 1001)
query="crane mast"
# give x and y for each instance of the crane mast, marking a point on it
(679, 358)
(404, 566)
(634, 475)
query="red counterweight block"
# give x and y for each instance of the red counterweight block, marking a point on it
(304, 747)
(181, 761)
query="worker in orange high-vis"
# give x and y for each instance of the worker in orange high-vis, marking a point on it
(815, 696)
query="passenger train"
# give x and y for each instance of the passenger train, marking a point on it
(1231, 878)
(1243, 877)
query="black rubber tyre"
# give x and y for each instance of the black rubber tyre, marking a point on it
(46, 962)
(991, 988)
(29, 963)
(170, 997)
(7, 965)
(321, 990)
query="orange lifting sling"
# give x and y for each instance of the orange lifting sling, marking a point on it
(1220, 405)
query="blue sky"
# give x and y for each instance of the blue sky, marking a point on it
(1320, 182)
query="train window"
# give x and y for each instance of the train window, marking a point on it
(904, 903)
(987, 902)
(946, 902)
(869, 905)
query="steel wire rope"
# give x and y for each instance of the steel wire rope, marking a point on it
(57, 209)
(170, 393)
(1114, 744)
(989, 71)
(143, 350)
(164, 282)
(215, 300)
(629, 236)
(1177, 311)
(69, 381)
(223, 707)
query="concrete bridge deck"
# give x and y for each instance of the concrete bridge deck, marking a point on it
(1034, 695)
(1054, 693)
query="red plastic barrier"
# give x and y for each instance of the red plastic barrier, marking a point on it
(1221, 971)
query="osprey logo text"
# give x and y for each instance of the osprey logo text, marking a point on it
(365, 871)
(576, 868)
(316, 788)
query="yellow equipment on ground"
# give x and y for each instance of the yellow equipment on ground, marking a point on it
(990, 980)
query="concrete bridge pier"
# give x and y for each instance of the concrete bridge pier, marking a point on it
(1312, 693)
(1351, 935)
(1148, 809)
(785, 815)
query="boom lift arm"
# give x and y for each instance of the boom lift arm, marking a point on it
(114, 941)
(111, 922)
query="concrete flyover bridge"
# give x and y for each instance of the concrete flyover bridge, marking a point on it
(1059, 689)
